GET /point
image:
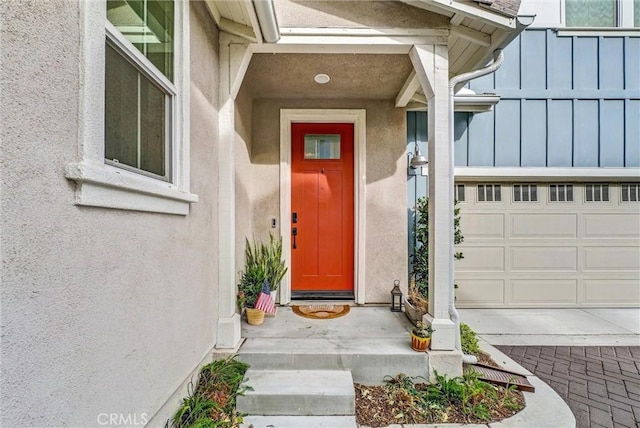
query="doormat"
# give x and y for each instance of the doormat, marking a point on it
(321, 312)
(500, 376)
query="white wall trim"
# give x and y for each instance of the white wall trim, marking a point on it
(546, 173)
(358, 118)
(101, 185)
(598, 32)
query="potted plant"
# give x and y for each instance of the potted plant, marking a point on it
(416, 304)
(421, 336)
(269, 258)
(248, 290)
(263, 265)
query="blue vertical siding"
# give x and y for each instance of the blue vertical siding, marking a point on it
(534, 133)
(507, 130)
(611, 63)
(566, 101)
(632, 133)
(533, 59)
(587, 130)
(481, 149)
(461, 138)
(632, 63)
(559, 54)
(611, 133)
(560, 133)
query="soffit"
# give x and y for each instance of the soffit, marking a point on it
(362, 76)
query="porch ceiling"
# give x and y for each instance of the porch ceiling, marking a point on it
(362, 76)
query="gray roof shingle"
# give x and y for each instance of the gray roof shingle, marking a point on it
(507, 7)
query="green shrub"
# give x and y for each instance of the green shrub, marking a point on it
(212, 404)
(420, 258)
(469, 340)
(268, 257)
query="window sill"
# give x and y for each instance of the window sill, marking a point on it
(106, 186)
(598, 31)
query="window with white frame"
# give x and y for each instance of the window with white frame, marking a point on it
(560, 192)
(602, 13)
(489, 193)
(460, 193)
(135, 116)
(596, 193)
(525, 192)
(630, 192)
(139, 89)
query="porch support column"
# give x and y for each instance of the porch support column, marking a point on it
(431, 64)
(228, 330)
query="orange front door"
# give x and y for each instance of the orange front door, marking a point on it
(322, 203)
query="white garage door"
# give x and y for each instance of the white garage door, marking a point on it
(533, 245)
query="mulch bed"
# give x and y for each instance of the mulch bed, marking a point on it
(378, 406)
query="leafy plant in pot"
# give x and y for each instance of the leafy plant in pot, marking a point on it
(248, 290)
(269, 258)
(421, 336)
(263, 263)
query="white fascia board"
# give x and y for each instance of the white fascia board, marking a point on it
(463, 103)
(545, 173)
(359, 32)
(321, 48)
(371, 40)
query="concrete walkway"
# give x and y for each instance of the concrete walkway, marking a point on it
(583, 360)
(556, 327)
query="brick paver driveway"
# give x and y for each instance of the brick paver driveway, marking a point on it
(600, 384)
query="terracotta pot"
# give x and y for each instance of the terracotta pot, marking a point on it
(255, 316)
(420, 344)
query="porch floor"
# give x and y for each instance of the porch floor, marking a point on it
(370, 342)
(371, 322)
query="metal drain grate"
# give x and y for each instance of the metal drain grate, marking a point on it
(500, 376)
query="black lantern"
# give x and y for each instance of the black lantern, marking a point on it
(396, 297)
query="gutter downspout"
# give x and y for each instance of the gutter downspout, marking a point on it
(266, 14)
(498, 59)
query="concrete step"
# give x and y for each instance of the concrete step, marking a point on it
(299, 422)
(298, 393)
(368, 360)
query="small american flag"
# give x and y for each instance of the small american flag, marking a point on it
(265, 302)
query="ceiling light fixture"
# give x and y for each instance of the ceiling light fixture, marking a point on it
(322, 78)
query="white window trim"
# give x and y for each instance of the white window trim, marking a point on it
(622, 193)
(574, 189)
(493, 193)
(529, 187)
(102, 185)
(609, 187)
(539, 174)
(624, 20)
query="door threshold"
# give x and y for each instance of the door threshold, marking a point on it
(322, 295)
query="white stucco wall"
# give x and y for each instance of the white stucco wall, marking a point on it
(103, 311)
(386, 234)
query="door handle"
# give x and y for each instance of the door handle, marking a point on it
(294, 217)
(294, 232)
